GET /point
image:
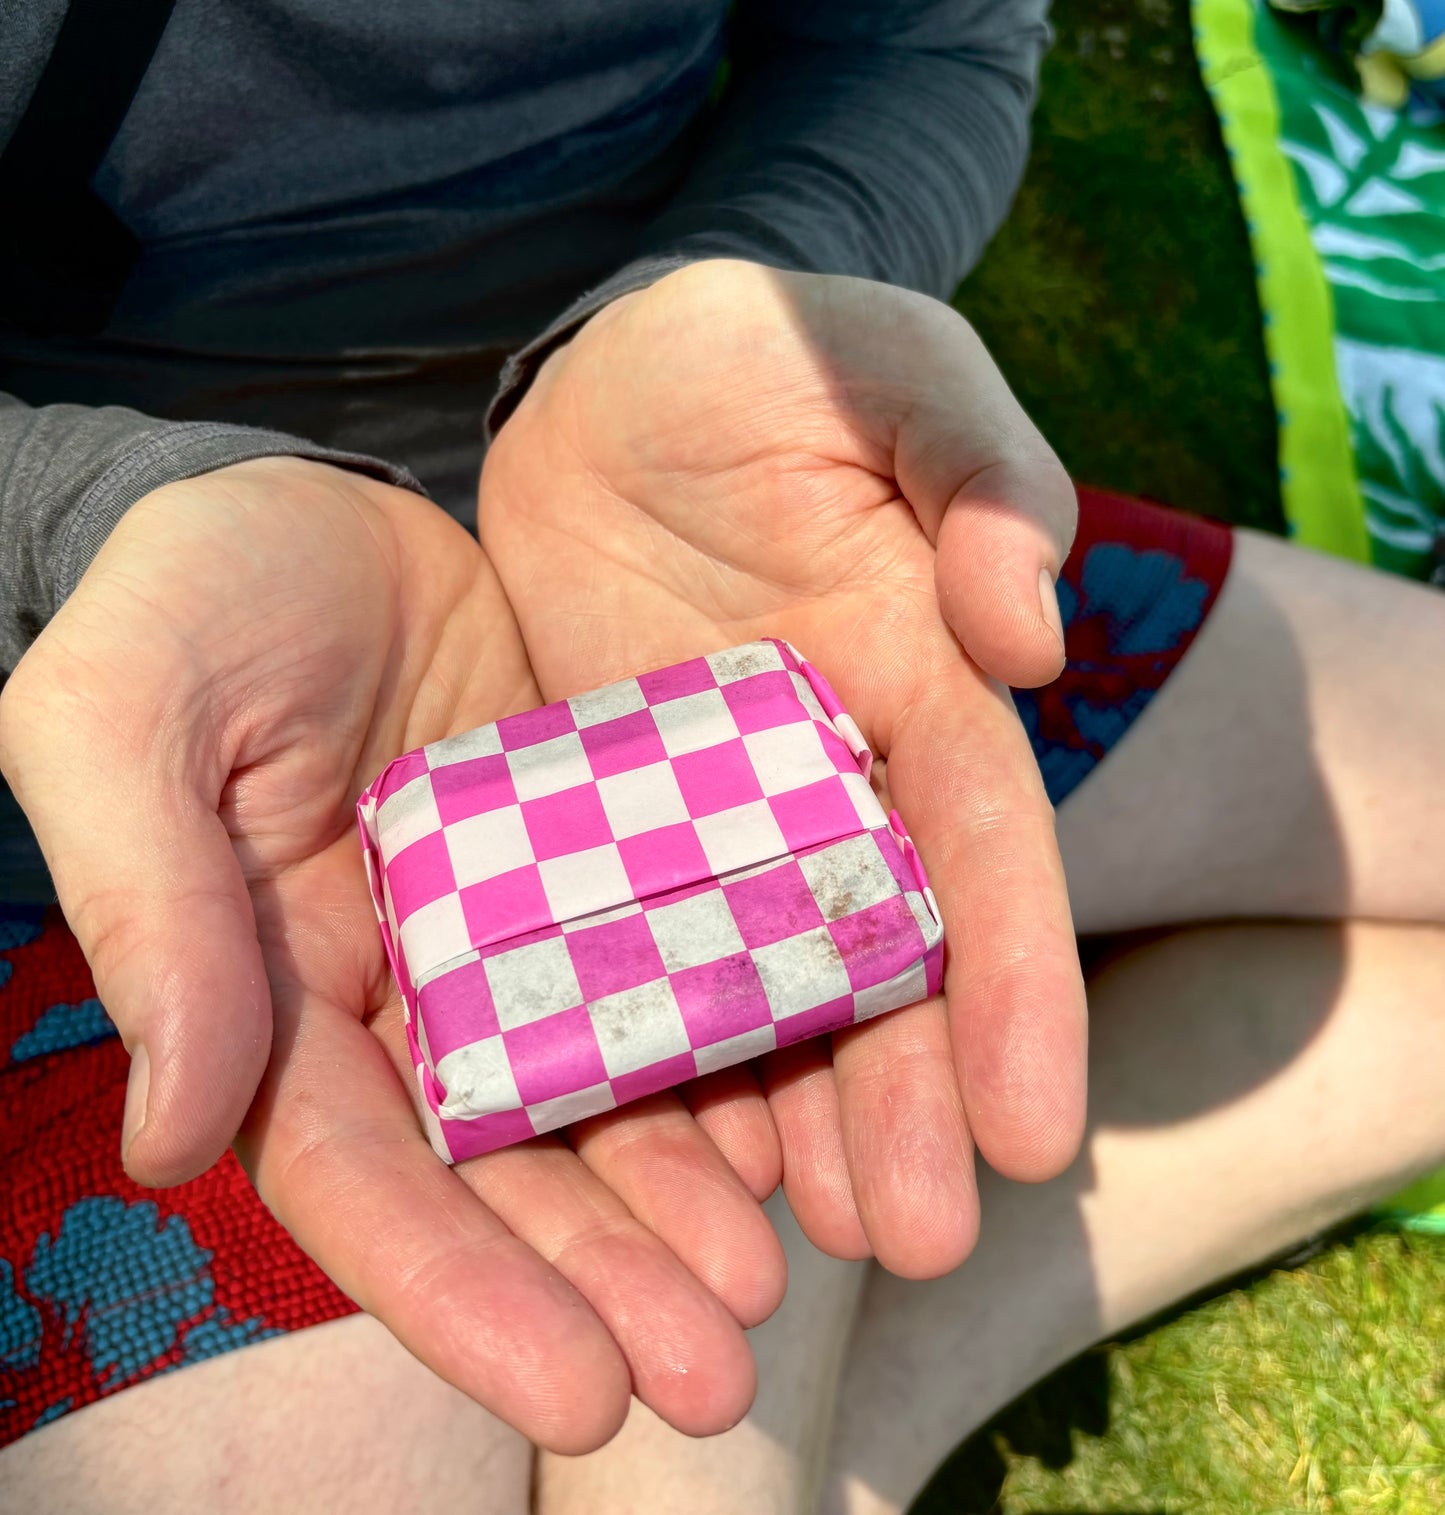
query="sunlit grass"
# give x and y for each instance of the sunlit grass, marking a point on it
(1318, 1389)
(1119, 297)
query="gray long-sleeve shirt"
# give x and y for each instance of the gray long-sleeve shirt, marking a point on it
(351, 215)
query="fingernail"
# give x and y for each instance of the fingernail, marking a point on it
(137, 1090)
(1049, 605)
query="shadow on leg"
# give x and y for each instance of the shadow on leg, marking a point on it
(1332, 1038)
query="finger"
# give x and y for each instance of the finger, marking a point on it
(688, 1359)
(344, 1166)
(963, 775)
(803, 1097)
(907, 1141)
(148, 881)
(729, 1107)
(997, 505)
(668, 1174)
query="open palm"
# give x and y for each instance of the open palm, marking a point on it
(188, 737)
(735, 453)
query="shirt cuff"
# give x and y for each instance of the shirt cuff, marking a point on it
(521, 368)
(179, 450)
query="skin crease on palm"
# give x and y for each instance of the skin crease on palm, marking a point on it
(189, 734)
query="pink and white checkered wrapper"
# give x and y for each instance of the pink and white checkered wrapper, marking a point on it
(589, 902)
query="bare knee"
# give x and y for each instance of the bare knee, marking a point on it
(336, 1418)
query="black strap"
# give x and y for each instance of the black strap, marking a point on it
(64, 254)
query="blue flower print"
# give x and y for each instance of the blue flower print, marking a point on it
(1150, 603)
(1126, 612)
(137, 1285)
(63, 1027)
(20, 1325)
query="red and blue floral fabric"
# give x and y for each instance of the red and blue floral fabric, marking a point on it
(102, 1283)
(1138, 584)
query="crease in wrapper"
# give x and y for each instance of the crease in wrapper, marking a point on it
(607, 896)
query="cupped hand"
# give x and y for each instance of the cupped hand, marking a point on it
(188, 737)
(736, 452)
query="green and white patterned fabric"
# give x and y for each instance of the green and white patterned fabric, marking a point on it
(1345, 202)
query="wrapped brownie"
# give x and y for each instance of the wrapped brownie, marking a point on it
(592, 901)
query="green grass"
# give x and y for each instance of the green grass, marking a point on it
(1320, 1388)
(1119, 298)
(1120, 302)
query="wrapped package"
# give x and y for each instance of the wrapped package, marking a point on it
(592, 901)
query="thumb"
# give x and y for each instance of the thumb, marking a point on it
(998, 507)
(1001, 541)
(147, 878)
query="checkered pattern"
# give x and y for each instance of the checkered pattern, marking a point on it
(604, 897)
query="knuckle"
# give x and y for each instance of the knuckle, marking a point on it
(590, 1243)
(112, 937)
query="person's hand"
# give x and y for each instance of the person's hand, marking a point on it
(188, 737)
(734, 453)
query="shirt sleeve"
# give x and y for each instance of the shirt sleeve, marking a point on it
(69, 472)
(879, 138)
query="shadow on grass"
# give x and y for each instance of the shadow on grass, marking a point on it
(1074, 1401)
(1039, 1424)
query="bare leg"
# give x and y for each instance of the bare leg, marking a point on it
(1290, 766)
(338, 1418)
(770, 1464)
(1158, 1206)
